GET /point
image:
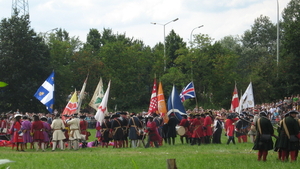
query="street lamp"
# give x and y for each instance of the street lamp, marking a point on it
(191, 37)
(154, 23)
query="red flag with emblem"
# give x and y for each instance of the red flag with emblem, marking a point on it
(235, 100)
(153, 100)
(71, 106)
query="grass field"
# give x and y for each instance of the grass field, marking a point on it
(210, 156)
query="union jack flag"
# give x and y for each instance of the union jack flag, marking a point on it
(188, 92)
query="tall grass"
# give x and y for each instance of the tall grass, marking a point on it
(212, 156)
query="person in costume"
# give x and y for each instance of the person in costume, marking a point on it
(106, 134)
(83, 127)
(116, 129)
(263, 142)
(47, 131)
(207, 127)
(197, 133)
(185, 123)
(171, 133)
(26, 127)
(230, 127)
(134, 126)
(124, 120)
(37, 129)
(289, 137)
(153, 135)
(74, 136)
(17, 132)
(218, 127)
(58, 135)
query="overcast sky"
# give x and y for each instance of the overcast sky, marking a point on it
(133, 17)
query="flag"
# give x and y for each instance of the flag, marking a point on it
(45, 94)
(81, 95)
(72, 105)
(102, 109)
(162, 108)
(175, 105)
(247, 100)
(235, 100)
(188, 92)
(153, 100)
(98, 95)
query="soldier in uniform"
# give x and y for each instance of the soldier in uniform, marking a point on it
(197, 133)
(265, 129)
(116, 129)
(229, 127)
(185, 123)
(74, 128)
(58, 127)
(105, 132)
(37, 129)
(125, 129)
(289, 137)
(83, 127)
(134, 126)
(207, 127)
(152, 133)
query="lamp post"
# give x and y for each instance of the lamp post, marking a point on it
(191, 37)
(154, 23)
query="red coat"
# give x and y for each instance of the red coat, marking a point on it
(186, 125)
(37, 130)
(197, 128)
(207, 124)
(83, 126)
(229, 126)
(152, 131)
(16, 129)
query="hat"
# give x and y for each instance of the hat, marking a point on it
(293, 112)
(25, 117)
(75, 114)
(83, 116)
(106, 117)
(197, 114)
(264, 113)
(18, 115)
(123, 113)
(44, 118)
(150, 117)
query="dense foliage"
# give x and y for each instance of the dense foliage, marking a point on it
(27, 59)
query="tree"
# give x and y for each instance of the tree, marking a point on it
(24, 60)
(290, 48)
(173, 43)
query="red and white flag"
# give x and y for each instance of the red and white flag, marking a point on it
(153, 100)
(102, 109)
(235, 100)
(71, 107)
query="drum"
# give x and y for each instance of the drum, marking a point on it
(180, 130)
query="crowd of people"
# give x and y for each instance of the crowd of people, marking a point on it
(196, 127)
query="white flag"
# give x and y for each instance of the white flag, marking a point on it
(98, 96)
(102, 109)
(247, 100)
(81, 95)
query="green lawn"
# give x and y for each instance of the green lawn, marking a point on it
(223, 156)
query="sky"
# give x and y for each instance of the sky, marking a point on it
(219, 18)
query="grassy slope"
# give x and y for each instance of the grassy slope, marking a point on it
(205, 156)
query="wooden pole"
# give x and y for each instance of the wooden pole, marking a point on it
(171, 164)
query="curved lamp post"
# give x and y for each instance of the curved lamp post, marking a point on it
(154, 23)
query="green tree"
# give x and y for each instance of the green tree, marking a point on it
(290, 49)
(24, 60)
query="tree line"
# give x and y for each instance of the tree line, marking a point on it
(27, 58)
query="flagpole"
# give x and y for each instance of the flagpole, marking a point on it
(195, 95)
